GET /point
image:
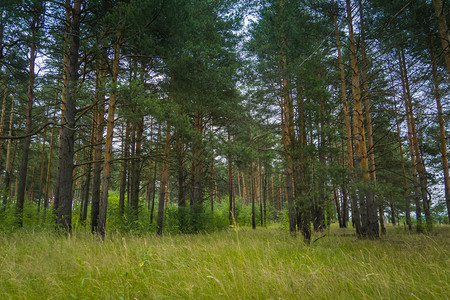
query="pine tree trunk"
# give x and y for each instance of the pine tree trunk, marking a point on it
(50, 158)
(136, 169)
(402, 161)
(197, 164)
(158, 141)
(8, 169)
(124, 169)
(99, 110)
(63, 191)
(181, 183)
(348, 133)
(230, 184)
(442, 138)
(360, 142)
(415, 143)
(30, 98)
(366, 97)
(108, 140)
(163, 183)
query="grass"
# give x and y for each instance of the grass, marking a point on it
(258, 264)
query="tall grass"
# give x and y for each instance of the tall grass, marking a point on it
(233, 264)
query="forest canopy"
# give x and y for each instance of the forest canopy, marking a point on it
(193, 115)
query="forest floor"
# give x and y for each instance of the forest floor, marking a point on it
(266, 263)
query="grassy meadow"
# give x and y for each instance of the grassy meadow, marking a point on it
(265, 263)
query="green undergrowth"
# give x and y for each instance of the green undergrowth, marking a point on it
(232, 264)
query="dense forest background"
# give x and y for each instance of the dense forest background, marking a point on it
(191, 115)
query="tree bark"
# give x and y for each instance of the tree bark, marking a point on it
(124, 169)
(366, 97)
(136, 169)
(63, 190)
(415, 144)
(163, 183)
(440, 115)
(99, 111)
(348, 132)
(360, 143)
(109, 139)
(230, 184)
(30, 98)
(402, 161)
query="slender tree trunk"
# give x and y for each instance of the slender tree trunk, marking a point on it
(124, 169)
(181, 182)
(88, 172)
(30, 98)
(2, 120)
(230, 184)
(99, 111)
(163, 183)
(411, 147)
(402, 161)
(366, 97)
(442, 138)
(415, 143)
(360, 143)
(158, 140)
(348, 133)
(441, 15)
(136, 169)
(109, 139)
(391, 202)
(150, 168)
(197, 164)
(41, 173)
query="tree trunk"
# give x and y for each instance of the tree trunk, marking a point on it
(442, 138)
(366, 97)
(163, 183)
(136, 169)
(360, 143)
(109, 139)
(30, 98)
(124, 169)
(415, 144)
(230, 184)
(63, 190)
(99, 111)
(348, 133)
(402, 161)
(88, 174)
(181, 183)
(158, 140)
